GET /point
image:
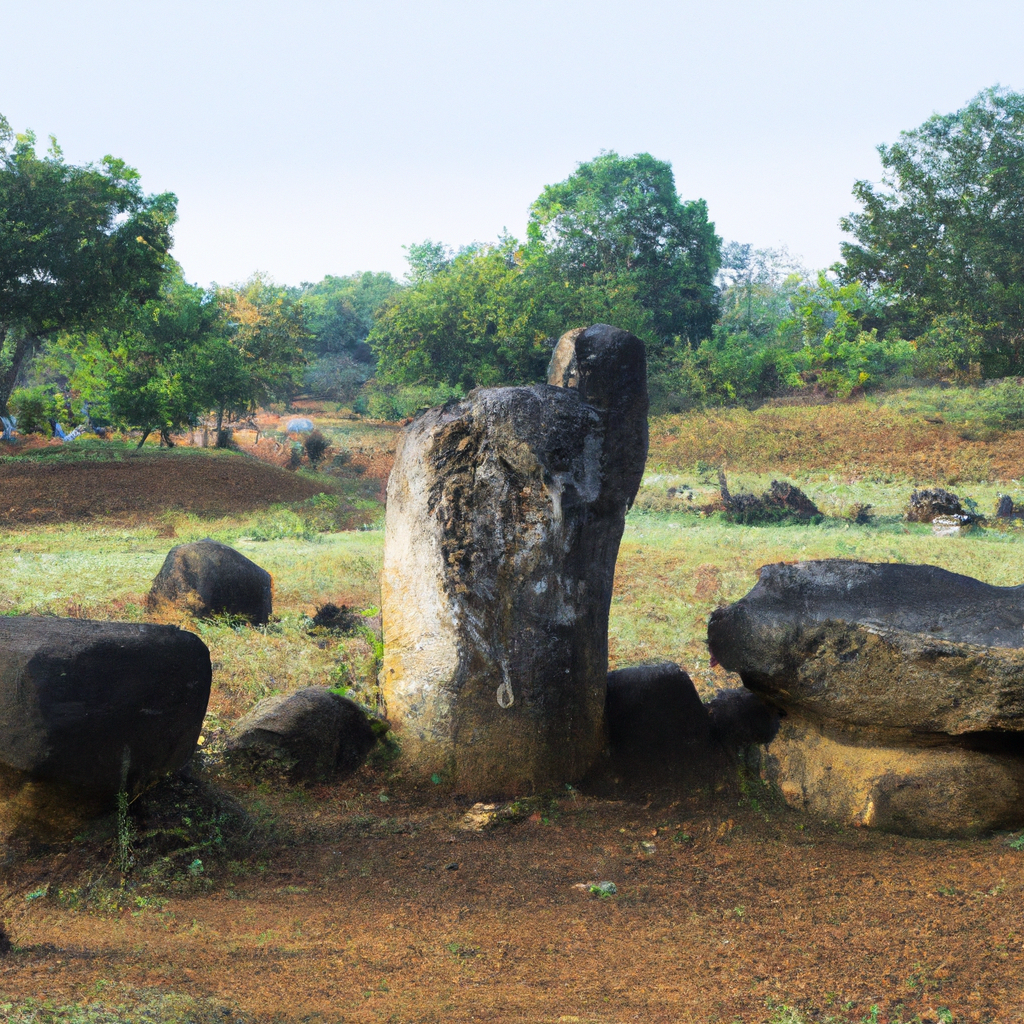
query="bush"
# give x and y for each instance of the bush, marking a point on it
(34, 408)
(316, 446)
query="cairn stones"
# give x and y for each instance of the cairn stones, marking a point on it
(903, 687)
(210, 578)
(505, 512)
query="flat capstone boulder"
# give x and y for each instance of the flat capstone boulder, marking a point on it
(207, 578)
(883, 646)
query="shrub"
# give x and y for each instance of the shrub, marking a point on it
(316, 446)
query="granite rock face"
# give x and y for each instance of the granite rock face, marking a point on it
(309, 734)
(504, 517)
(902, 686)
(209, 578)
(99, 706)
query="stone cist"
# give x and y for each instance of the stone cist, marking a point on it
(504, 516)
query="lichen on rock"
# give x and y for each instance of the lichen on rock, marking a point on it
(505, 512)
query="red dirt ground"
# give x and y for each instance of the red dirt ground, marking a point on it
(32, 491)
(358, 916)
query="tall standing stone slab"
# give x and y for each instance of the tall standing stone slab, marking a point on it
(505, 513)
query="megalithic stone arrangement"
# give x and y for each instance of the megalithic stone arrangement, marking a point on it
(504, 516)
(903, 687)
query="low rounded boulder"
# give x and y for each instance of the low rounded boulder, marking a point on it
(309, 734)
(210, 578)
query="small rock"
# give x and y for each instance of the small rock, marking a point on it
(479, 817)
(310, 734)
(953, 526)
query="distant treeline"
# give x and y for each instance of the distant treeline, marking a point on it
(930, 287)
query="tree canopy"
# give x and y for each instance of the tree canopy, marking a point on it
(942, 235)
(79, 246)
(622, 217)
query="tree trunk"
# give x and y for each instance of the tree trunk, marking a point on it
(10, 376)
(165, 437)
(145, 433)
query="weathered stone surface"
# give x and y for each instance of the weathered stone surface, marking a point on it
(309, 733)
(208, 578)
(925, 791)
(740, 718)
(658, 729)
(98, 706)
(504, 517)
(908, 647)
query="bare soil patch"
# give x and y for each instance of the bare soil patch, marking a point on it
(143, 486)
(366, 912)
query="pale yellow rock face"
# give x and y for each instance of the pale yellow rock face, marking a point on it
(420, 639)
(925, 791)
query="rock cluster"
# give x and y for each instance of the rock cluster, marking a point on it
(925, 506)
(902, 686)
(504, 516)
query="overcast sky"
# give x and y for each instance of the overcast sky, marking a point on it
(306, 138)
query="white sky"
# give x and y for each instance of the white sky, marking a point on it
(304, 138)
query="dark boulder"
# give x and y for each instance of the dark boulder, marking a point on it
(504, 516)
(99, 706)
(308, 734)
(210, 578)
(884, 646)
(926, 505)
(740, 718)
(1004, 508)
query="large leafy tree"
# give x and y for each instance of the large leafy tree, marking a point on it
(620, 218)
(488, 315)
(260, 355)
(942, 234)
(80, 246)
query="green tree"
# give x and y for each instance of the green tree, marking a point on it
(339, 313)
(621, 218)
(489, 315)
(260, 355)
(942, 235)
(154, 372)
(80, 246)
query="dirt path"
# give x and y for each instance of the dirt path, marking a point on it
(401, 918)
